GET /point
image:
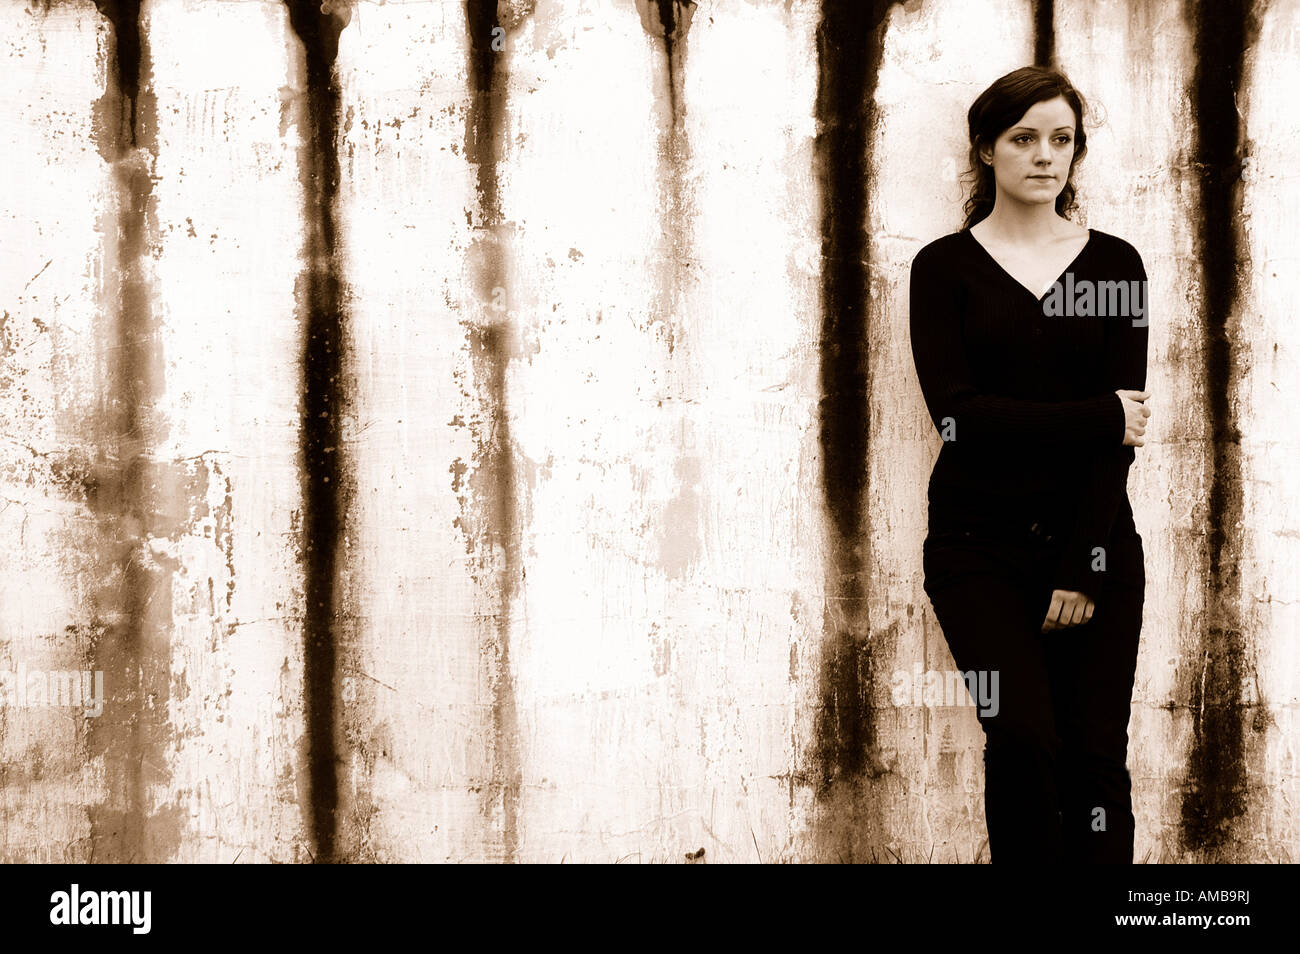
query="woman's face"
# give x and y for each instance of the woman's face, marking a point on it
(1031, 160)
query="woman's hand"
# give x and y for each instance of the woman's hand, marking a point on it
(1135, 416)
(1069, 608)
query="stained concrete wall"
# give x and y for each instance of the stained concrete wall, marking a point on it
(488, 431)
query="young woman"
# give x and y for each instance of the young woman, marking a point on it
(1029, 334)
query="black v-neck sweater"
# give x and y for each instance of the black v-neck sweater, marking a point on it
(1022, 389)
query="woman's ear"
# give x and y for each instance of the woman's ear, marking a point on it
(986, 155)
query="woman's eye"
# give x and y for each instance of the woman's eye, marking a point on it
(1063, 140)
(1019, 138)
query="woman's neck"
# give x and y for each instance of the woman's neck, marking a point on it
(1016, 223)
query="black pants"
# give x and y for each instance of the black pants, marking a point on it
(1056, 784)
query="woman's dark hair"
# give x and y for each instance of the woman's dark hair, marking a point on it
(1000, 107)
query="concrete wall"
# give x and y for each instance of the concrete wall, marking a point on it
(472, 431)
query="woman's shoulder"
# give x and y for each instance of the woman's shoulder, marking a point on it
(1116, 248)
(942, 248)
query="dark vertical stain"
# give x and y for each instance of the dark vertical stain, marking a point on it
(1215, 785)
(320, 303)
(671, 21)
(124, 16)
(1044, 33)
(850, 42)
(492, 344)
(668, 22)
(486, 115)
(129, 638)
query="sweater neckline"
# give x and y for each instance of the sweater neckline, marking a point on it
(1026, 289)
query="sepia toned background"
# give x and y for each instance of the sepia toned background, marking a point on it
(471, 431)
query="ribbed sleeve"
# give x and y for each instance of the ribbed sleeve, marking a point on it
(949, 389)
(1106, 478)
